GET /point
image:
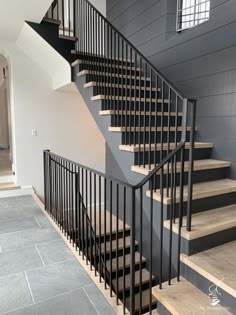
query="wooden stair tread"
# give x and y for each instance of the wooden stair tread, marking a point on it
(113, 75)
(67, 37)
(145, 279)
(217, 265)
(49, 20)
(127, 261)
(113, 219)
(76, 52)
(120, 86)
(183, 298)
(136, 129)
(207, 222)
(120, 244)
(98, 63)
(128, 98)
(142, 113)
(199, 165)
(172, 146)
(145, 300)
(200, 190)
(8, 186)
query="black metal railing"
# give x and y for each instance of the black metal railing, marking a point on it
(98, 213)
(143, 104)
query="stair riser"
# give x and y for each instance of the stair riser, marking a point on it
(108, 69)
(88, 58)
(227, 300)
(145, 286)
(209, 241)
(120, 252)
(198, 176)
(107, 79)
(125, 92)
(113, 236)
(146, 157)
(205, 204)
(123, 105)
(144, 120)
(150, 137)
(127, 270)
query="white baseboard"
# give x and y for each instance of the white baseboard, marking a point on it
(22, 191)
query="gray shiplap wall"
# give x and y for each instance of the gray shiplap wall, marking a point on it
(201, 62)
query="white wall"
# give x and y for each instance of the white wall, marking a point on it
(62, 120)
(4, 139)
(100, 5)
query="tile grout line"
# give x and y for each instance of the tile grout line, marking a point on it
(91, 301)
(49, 265)
(46, 299)
(37, 221)
(31, 293)
(39, 254)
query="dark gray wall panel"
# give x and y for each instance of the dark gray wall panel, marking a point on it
(201, 61)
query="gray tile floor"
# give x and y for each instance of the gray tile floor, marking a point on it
(38, 273)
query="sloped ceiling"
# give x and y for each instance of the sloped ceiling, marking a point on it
(13, 13)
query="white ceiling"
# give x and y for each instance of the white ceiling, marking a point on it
(13, 13)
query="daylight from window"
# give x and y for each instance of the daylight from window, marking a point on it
(191, 13)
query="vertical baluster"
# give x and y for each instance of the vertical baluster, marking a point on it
(151, 243)
(140, 114)
(90, 220)
(82, 201)
(171, 221)
(144, 114)
(131, 132)
(161, 230)
(105, 231)
(85, 216)
(111, 208)
(176, 112)
(69, 22)
(95, 220)
(150, 123)
(141, 252)
(100, 224)
(135, 116)
(132, 252)
(190, 174)
(127, 93)
(168, 141)
(124, 244)
(117, 231)
(63, 16)
(79, 201)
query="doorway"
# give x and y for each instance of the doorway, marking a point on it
(6, 156)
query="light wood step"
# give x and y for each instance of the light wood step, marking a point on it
(200, 190)
(145, 300)
(67, 37)
(217, 265)
(113, 75)
(127, 261)
(207, 222)
(183, 298)
(102, 64)
(142, 129)
(127, 98)
(120, 86)
(120, 245)
(199, 165)
(8, 186)
(49, 20)
(145, 280)
(137, 113)
(76, 52)
(153, 147)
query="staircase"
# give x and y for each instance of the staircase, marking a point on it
(169, 241)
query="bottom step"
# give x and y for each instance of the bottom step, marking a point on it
(183, 298)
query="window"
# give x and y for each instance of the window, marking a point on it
(191, 13)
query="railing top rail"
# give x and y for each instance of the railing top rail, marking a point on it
(118, 181)
(137, 186)
(137, 51)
